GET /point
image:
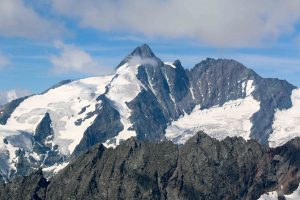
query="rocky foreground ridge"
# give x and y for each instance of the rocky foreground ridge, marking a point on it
(203, 168)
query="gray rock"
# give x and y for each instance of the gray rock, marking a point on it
(203, 168)
(170, 93)
(31, 187)
(106, 125)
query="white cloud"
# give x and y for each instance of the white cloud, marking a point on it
(222, 23)
(137, 60)
(18, 19)
(4, 61)
(74, 59)
(9, 95)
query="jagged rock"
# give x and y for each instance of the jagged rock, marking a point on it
(106, 125)
(203, 168)
(31, 187)
(43, 135)
(216, 81)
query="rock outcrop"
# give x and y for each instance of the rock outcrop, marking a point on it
(203, 168)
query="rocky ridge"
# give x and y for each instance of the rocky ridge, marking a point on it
(203, 168)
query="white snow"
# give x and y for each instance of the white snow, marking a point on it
(286, 123)
(170, 64)
(269, 196)
(294, 196)
(192, 92)
(8, 150)
(249, 87)
(274, 195)
(64, 105)
(170, 86)
(231, 119)
(55, 168)
(124, 88)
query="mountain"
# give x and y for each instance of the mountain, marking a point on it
(150, 100)
(203, 168)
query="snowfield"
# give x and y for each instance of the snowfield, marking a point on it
(124, 88)
(64, 105)
(232, 119)
(286, 124)
(274, 195)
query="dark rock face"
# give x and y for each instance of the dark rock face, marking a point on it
(203, 168)
(43, 135)
(143, 51)
(173, 92)
(273, 94)
(148, 117)
(215, 82)
(212, 82)
(106, 125)
(43, 146)
(29, 187)
(8, 109)
(113, 175)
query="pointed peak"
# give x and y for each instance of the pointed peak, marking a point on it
(177, 63)
(144, 51)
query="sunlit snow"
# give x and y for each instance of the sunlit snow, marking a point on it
(231, 119)
(170, 64)
(63, 105)
(286, 123)
(274, 195)
(124, 88)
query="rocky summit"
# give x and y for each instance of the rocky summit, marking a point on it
(203, 168)
(150, 100)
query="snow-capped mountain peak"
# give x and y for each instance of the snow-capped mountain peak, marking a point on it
(147, 99)
(143, 51)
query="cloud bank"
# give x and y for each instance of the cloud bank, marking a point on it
(9, 95)
(218, 23)
(221, 23)
(73, 59)
(18, 19)
(137, 60)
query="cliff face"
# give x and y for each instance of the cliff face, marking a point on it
(203, 168)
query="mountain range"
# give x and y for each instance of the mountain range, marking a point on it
(150, 100)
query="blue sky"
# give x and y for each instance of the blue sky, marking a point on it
(44, 42)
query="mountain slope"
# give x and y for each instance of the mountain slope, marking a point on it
(148, 99)
(203, 168)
